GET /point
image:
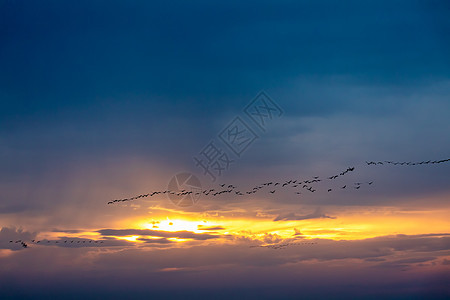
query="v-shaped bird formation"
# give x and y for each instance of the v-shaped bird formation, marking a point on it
(395, 163)
(271, 187)
(25, 244)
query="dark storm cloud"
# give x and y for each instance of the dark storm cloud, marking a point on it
(173, 48)
(97, 81)
(203, 52)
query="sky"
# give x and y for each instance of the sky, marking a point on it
(224, 150)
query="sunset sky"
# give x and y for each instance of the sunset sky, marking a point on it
(263, 150)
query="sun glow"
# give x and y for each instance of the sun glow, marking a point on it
(348, 224)
(175, 225)
(133, 238)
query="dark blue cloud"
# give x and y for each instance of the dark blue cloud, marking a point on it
(81, 56)
(92, 82)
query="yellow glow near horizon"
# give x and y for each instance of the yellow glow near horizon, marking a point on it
(173, 225)
(352, 224)
(129, 238)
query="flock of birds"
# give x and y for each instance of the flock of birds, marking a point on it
(407, 163)
(25, 245)
(273, 186)
(273, 246)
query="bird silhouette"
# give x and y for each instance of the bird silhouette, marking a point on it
(290, 182)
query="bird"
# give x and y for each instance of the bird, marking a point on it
(291, 182)
(272, 192)
(329, 190)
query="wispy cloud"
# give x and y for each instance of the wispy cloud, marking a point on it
(291, 216)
